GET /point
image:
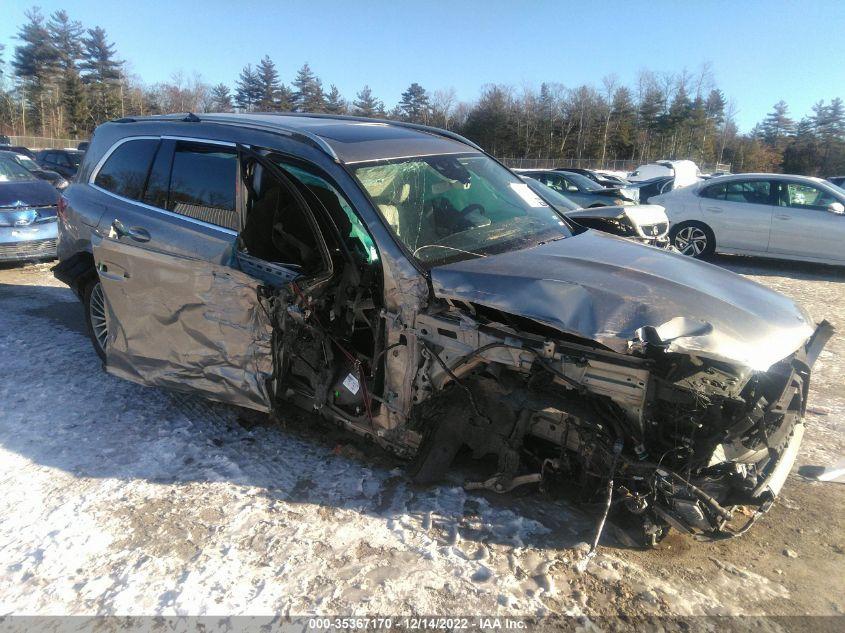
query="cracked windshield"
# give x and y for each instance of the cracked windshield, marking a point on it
(449, 208)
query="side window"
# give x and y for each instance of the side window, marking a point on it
(125, 171)
(158, 181)
(50, 158)
(357, 238)
(716, 192)
(749, 191)
(555, 182)
(277, 228)
(203, 182)
(61, 159)
(569, 186)
(801, 196)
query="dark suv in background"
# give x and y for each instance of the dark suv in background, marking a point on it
(399, 281)
(64, 161)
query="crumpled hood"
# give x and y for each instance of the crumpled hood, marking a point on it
(32, 193)
(604, 288)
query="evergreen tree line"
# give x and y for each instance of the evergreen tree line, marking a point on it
(62, 80)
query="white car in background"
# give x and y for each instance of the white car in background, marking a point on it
(768, 215)
(685, 172)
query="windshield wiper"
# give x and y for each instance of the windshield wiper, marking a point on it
(459, 250)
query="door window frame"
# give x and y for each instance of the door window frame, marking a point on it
(246, 152)
(739, 181)
(816, 208)
(144, 205)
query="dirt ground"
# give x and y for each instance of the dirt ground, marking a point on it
(201, 483)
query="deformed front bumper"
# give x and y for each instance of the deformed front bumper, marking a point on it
(35, 241)
(796, 390)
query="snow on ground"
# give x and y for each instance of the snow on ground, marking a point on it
(120, 499)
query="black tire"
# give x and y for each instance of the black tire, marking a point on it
(694, 239)
(93, 315)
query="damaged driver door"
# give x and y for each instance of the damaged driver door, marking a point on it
(184, 324)
(189, 324)
(178, 315)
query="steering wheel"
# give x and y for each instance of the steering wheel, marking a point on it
(473, 207)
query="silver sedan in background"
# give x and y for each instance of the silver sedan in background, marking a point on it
(770, 215)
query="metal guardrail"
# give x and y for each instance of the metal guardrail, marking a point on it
(42, 142)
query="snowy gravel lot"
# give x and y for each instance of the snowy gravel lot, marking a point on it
(118, 499)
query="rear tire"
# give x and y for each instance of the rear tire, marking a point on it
(694, 239)
(95, 316)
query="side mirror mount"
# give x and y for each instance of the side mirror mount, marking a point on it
(836, 207)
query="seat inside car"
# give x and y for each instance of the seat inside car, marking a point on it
(389, 202)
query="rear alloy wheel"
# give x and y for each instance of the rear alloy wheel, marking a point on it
(95, 316)
(693, 239)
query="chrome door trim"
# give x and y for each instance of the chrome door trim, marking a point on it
(144, 205)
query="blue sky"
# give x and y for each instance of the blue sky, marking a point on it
(760, 52)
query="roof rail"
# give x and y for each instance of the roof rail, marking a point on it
(312, 138)
(190, 117)
(363, 119)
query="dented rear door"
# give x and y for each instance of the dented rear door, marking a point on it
(184, 324)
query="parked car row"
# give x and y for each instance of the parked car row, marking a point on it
(27, 213)
(30, 183)
(647, 224)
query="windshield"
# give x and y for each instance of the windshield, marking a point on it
(554, 198)
(448, 208)
(582, 181)
(11, 171)
(27, 162)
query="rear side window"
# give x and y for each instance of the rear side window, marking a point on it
(749, 191)
(125, 171)
(714, 191)
(203, 182)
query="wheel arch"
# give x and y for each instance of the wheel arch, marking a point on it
(76, 271)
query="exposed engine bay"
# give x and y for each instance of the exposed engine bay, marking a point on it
(681, 441)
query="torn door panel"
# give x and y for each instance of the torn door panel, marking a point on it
(185, 324)
(602, 288)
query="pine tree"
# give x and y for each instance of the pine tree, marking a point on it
(335, 104)
(777, 124)
(715, 106)
(102, 73)
(308, 91)
(99, 63)
(66, 36)
(268, 77)
(221, 100)
(624, 116)
(414, 104)
(248, 89)
(367, 105)
(36, 64)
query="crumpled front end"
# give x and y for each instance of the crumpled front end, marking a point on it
(680, 389)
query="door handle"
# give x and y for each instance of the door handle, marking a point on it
(713, 209)
(137, 233)
(780, 216)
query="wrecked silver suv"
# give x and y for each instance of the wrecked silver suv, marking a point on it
(397, 280)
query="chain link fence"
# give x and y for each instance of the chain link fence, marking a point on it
(42, 142)
(594, 163)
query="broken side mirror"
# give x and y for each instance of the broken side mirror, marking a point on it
(836, 207)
